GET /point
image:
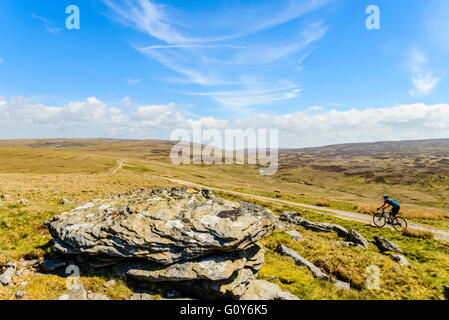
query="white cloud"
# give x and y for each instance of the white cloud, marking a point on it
(1, 60)
(423, 81)
(311, 127)
(127, 102)
(423, 84)
(133, 81)
(48, 24)
(241, 100)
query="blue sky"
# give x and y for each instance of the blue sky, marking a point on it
(140, 68)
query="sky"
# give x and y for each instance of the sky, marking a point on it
(143, 68)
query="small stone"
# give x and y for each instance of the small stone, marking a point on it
(357, 238)
(341, 284)
(11, 265)
(384, 245)
(75, 293)
(97, 296)
(65, 201)
(4, 197)
(349, 244)
(5, 277)
(20, 294)
(109, 284)
(23, 201)
(265, 290)
(141, 296)
(24, 284)
(52, 265)
(29, 263)
(296, 236)
(19, 272)
(400, 259)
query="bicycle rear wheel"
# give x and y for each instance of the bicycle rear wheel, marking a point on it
(399, 224)
(379, 220)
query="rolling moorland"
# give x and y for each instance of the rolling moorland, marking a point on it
(349, 177)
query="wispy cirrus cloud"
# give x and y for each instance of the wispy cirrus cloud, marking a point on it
(224, 49)
(48, 24)
(436, 22)
(134, 81)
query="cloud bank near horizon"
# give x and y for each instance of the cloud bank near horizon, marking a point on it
(315, 126)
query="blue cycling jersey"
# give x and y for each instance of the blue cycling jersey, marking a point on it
(392, 203)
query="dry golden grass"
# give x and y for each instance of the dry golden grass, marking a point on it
(323, 203)
(82, 171)
(417, 234)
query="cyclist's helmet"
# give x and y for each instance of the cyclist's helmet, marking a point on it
(385, 196)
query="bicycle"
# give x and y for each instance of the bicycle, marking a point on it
(381, 218)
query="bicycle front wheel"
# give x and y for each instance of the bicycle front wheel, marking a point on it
(379, 220)
(399, 224)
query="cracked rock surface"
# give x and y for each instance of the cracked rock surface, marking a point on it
(160, 225)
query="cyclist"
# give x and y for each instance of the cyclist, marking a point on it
(395, 207)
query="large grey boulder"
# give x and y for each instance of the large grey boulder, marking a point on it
(5, 277)
(179, 238)
(357, 238)
(384, 245)
(160, 225)
(264, 290)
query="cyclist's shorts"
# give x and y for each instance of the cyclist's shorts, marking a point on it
(394, 211)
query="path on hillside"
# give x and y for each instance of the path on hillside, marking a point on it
(118, 168)
(346, 215)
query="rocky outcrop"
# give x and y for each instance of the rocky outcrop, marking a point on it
(316, 272)
(185, 238)
(384, 245)
(357, 238)
(294, 218)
